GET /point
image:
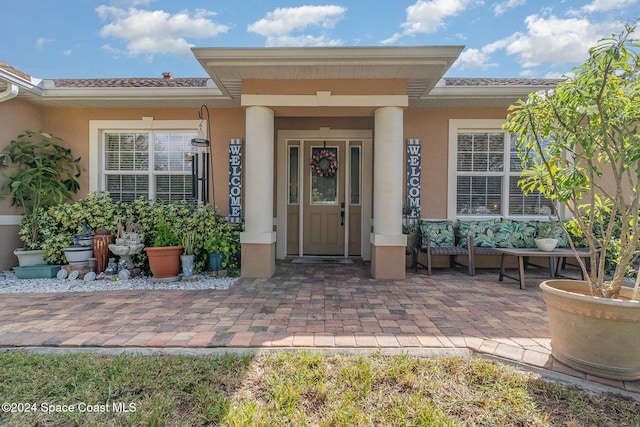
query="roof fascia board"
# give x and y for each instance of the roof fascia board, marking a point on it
(19, 82)
(320, 54)
(324, 99)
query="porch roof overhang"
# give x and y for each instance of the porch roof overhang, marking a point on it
(421, 66)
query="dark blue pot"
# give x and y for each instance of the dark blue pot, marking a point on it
(215, 261)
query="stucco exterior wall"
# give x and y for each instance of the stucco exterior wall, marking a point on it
(431, 126)
(72, 125)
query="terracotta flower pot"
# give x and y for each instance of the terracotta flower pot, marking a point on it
(164, 262)
(599, 336)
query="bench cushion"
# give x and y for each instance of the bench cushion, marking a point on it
(440, 233)
(510, 233)
(482, 232)
(563, 239)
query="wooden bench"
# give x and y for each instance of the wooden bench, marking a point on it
(451, 241)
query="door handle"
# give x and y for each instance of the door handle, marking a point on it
(342, 218)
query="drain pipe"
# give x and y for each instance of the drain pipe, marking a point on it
(10, 93)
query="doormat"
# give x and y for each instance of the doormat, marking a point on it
(307, 260)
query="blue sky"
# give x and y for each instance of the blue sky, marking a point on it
(144, 38)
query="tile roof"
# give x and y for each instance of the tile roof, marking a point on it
(202, 82)
(15, 71)
(500, 82)
(131, 82)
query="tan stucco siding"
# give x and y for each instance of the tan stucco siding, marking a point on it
(431, 126)
(16, 116)
(72, 124)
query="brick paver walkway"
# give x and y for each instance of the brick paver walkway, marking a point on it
(303, 305)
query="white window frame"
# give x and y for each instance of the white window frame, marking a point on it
(457, 126)
(98, 128)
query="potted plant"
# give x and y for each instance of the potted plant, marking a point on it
(188, 256)
(216, 246)
(41, 173)
(579, 147)
(545, 239)
(222, 245)
(164, 254)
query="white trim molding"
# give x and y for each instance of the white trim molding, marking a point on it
(325, 99)
(98, 127)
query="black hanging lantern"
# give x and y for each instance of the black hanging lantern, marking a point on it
(203, 140)
(200, 162)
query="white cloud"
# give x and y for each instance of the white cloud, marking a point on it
(472, 59)
(548, 40)
(150, 32)
(478, 59)
(280, 26)
(42, 42)
(427, 16)
(554, 40)
(67, 52)
(501, 8)
(114, 52)
(605, 5)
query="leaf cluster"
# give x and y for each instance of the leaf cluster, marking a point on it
(42, 173)
(579, 147)
(158, 221)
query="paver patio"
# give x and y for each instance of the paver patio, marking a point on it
(302, 305)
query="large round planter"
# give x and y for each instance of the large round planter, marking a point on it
(28, 257)
(598, 336)
(164, 262)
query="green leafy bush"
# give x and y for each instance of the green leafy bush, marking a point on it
(42, 173)
(225, 239)
(61, 222)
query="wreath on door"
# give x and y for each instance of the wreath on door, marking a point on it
(324, 163)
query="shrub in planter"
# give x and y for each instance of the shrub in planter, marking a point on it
(224, 242)
(61, 222)
(579, 147)
(42, 173)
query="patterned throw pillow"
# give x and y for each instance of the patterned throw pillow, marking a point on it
(563, 239)
(482, 232)
(509, 233)
(440, 233)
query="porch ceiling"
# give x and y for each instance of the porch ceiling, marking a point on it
(421, 66)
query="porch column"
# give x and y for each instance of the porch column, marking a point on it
(388, 244)
(258, 240)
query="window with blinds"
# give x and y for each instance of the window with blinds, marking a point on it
(487, 173)
(150, 164)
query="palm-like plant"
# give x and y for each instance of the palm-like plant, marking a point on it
(42, 173)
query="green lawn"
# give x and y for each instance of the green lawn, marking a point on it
(291, 389)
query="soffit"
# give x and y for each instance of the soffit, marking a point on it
(422, 66)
